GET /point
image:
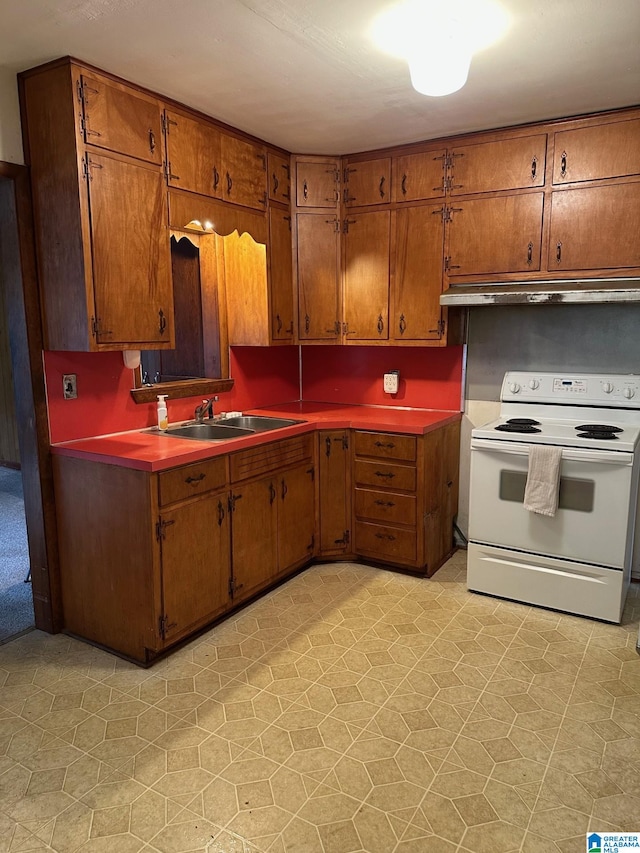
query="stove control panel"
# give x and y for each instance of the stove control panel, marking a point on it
(581, 389)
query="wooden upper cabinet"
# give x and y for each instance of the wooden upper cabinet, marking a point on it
(600, 151)
(419, 176)
(495, 235)
(318, 264)
(417, 281)
(280, 277)
(367, 182)
(120, 119)
(595, 228)
(318, 183)
(279, 177)
(243, 172)
(366, 276)
(193, 150)
(506, 164)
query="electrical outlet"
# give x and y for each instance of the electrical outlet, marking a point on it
(69, 386)
(391, 380)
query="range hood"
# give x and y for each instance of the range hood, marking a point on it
(584, 291)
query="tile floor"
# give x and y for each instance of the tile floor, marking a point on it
(352, 709)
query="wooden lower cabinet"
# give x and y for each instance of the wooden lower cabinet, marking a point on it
(334, 493)
(254, 538)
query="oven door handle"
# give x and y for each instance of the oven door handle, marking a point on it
(570, 454)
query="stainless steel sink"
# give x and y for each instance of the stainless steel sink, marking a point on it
(208, 432)
(259, 423)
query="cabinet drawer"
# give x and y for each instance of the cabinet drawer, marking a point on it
(383, 474)
(385, 506)
(384, 445)
(382, 541)
(269, 457)
(181, 483)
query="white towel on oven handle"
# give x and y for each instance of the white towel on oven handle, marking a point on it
(543, 479)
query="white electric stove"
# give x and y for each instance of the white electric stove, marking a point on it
(579, 560)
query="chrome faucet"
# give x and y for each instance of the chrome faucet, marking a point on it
(205, 408)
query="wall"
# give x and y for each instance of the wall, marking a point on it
(9, 447)
(10, 132)
(579, 338)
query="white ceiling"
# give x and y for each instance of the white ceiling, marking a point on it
(303, 75)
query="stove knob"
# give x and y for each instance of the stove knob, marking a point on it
(514, 387)
(629, 392)
(607, 387)
(533, 384)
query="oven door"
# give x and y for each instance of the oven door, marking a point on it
(591, 524)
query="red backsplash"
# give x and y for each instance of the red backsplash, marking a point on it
(429, 378)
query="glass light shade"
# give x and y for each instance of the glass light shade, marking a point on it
(436, 75)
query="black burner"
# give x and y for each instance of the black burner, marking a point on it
(515, 427)
(523, 421)
(598, 433)
(598, 428)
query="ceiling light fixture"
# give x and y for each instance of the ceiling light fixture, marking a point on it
(437, 38)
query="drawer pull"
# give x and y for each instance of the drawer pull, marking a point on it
(385, 503)
(272, 493)
(388, 536)
(390, 475)
(388, 444)
(221, 513)
(198, 479)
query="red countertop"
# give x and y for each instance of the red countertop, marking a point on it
(149, 450)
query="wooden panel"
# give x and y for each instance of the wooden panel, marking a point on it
(280, 276)
(385, 506)
(180, 483)
(385, 445)
(595, 227)
(296, 516)
(334, 473)
(506, 164)
(193, 150)
(419, 176)
(441, 466)
(602, 151)
(224, 219)
(318, 276)
(366, 276)
(384, 474)
(195, 554)
(131, 253)
(245, 274)
(243, 172)
(279, 177)
(254, 536)
(417, 278)
(368, 182)
(496, 235)
(386, 543)
(121, 119)
(317, 183)
(269, 457)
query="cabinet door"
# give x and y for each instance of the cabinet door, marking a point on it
(121, 119)
(279, 178)
(194, 549)
(507, 164)
(193, 150)
(253, 535)
(368, 182)
(595, 228)
(334, 473)
(419, 176)
(495, 235)
(366, 276)
(130, 253)
(296, 516)
(280, 276)
(417, 281)
(317, 184)
(318, 276)
(604, 151)
(244, 172)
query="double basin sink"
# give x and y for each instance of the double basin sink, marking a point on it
(227, 428)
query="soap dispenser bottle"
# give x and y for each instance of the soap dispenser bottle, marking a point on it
(163, 418)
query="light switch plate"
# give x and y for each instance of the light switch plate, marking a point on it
(391, 380)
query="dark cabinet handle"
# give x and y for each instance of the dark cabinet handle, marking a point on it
(272, 493)
(162, 324)
(276, 183)
(229, 183)
(389, 444)
(380, 324)
(563, 165)
(284, 490)
(388, 475)
(403, 185)
(534, 168)
(198, 479)
(278, 324)
(152, 141)
(385, 503)
(221, 513)
(529, 253)
(381, 187)
(558, 251)
(305, 190)
(327, 442)
(402, 324)
(216, 178)
(307, 323)
(385, 536)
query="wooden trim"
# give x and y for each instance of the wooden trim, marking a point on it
(20, 283)
(182, 388)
